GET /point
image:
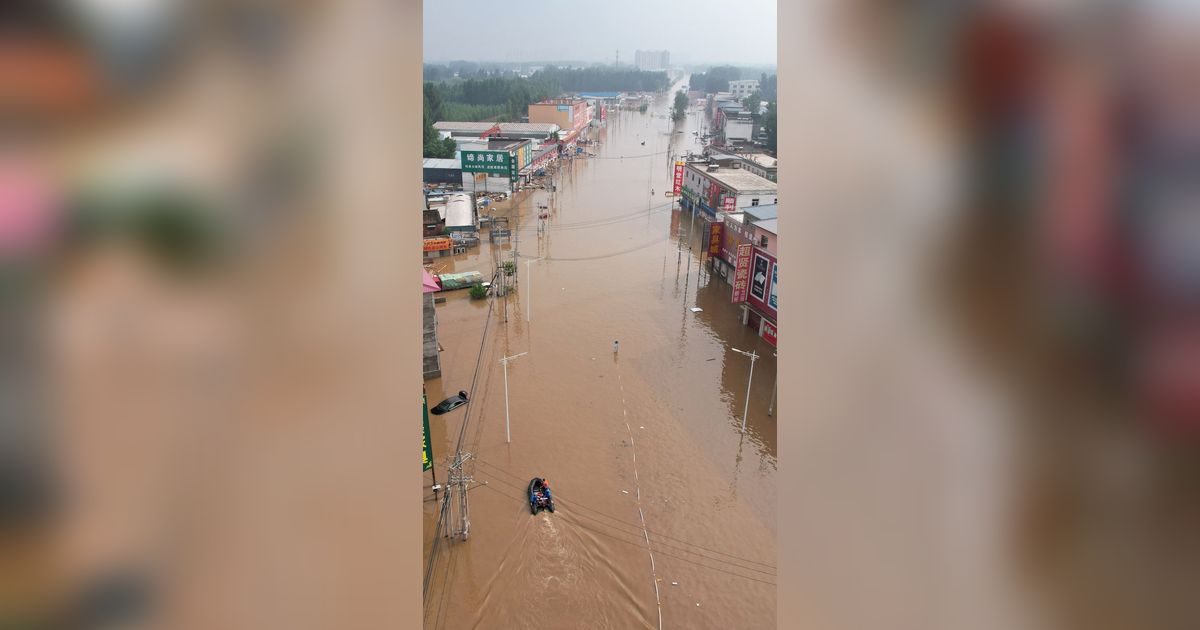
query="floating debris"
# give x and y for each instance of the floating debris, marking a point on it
(696, 309)
(625, 491)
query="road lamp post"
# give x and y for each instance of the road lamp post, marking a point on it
(753, 357)
(504, 361)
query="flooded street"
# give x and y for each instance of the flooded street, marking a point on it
(665, 510)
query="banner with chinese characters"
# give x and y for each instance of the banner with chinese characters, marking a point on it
(491, 162)
(770, 333)
(678, 178)
(729, 203)
(741, 274)
(438, 244)
(714, 238)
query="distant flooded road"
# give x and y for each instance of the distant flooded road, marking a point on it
(665, 510)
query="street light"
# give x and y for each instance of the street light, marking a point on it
(753, 357)
(529, 297)
(504, 361)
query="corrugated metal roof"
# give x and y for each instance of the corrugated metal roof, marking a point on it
(463, 126)
(459, 212)
(763, 212)
(480, 127)
(451, 163)
(770, 225)
(528, 127)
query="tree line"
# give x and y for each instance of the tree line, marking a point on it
(507, 98)
(717, 79)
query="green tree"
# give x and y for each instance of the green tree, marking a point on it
(770, 126)
(680, 109)
(753, 101)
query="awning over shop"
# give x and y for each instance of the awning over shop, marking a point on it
(429, 284)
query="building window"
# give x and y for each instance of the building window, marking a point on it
(762, 241)
(754, 202)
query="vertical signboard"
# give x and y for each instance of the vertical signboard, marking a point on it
(678, 178)
(774, 283)
(758, 278)
(426, 447)
(714, 238)
(741, 274)
(729, 203)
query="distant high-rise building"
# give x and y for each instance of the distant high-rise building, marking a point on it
(652, 59)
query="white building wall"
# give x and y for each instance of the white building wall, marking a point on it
(743, 88)
(746, 200)
(739, 129)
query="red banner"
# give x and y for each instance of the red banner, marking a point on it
(678, 178)
(741, 274)
(729, 203)
(770, 333)
(714, 239)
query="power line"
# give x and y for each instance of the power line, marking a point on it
(628, 157)
(638, 544)
(683, 549)
(440, 528)
(609, 255)
(634, 525)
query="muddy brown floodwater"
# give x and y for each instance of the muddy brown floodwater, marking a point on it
(665, 510)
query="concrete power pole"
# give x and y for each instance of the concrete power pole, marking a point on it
(459, 478)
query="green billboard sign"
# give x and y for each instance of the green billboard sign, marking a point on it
(426, 447)
(498, 163)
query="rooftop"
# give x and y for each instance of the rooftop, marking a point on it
(763, 212)
(738, 179)
(450, 163)
(463, 126)
(500, 144)
(770, 225)
(760, 159)
(480, 127)
(528, 127)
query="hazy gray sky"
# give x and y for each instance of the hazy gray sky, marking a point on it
(694, 31)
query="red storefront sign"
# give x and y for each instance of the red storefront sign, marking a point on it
(714, 239)
(729, 203)
(741, 274)
(678, 178)
(770, 333)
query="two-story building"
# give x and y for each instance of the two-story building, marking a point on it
(712, 188)
(760, 164)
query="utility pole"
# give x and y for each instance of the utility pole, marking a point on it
(461, 479)
(753, 357)
(504, 361)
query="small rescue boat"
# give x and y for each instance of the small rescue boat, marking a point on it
(539, 496)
